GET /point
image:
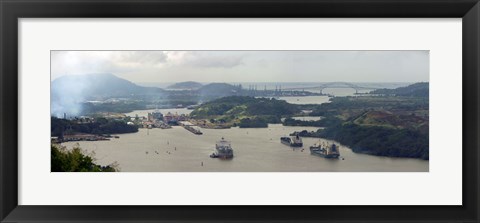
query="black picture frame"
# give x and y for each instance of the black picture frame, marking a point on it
(12, 10)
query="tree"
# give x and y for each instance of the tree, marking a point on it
(74, 160)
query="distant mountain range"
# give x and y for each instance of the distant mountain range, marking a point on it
(187, 85)
(70, 91)
(104, 86)
(91, 86)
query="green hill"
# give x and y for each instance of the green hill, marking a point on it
(415, 90)
(244, 106)
(244, 111)
(218, 90)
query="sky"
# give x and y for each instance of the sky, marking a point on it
(246, 66)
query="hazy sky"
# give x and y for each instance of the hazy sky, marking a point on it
(247, 66)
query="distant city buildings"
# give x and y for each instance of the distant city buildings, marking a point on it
(173, 119)
(158, 120)
(155, 116)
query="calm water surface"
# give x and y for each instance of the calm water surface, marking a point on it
(256, 150)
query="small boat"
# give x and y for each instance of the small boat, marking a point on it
(213, 155)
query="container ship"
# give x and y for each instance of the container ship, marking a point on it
(223, 150)
(327, 151)
(294, 141)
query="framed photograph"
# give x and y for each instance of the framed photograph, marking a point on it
(218, 115)
(322, 111)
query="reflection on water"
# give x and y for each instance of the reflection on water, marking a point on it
(257, 150)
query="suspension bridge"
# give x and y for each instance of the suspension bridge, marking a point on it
(323, 86)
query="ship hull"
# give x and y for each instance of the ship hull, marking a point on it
(222, 156)
(330, 156)
(318, 152)
(296, 144)
(292, 144)
(225, 157)
(192, 130)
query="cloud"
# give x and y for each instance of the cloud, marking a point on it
(139, 58)
(247, 66)
(79, 62)
(205, 59)
(118, 62)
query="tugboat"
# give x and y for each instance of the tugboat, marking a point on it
(295, 141)
(223, 150)
(326, 151)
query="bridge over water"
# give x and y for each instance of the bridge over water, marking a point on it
(334, 85)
